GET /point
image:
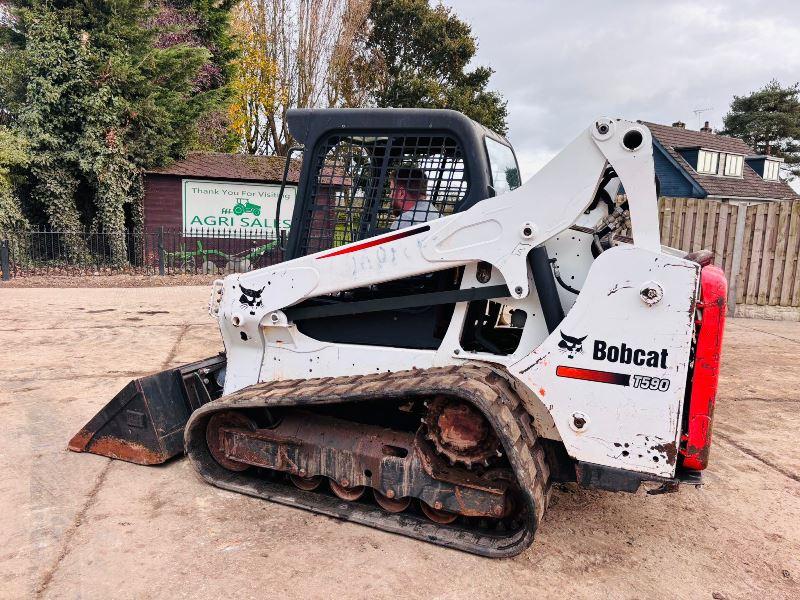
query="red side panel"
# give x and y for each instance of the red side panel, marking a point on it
(711, 313)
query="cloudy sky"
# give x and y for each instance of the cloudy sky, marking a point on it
(561, 63)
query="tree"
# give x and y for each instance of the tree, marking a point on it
(255, 81)
(292, 54)
(56, 76)
(353, 69)
(351, 53)
(769, 121)
(13, 157)
(425, 51)
(107, 89)
(204, 24)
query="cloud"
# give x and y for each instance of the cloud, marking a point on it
(562, 64)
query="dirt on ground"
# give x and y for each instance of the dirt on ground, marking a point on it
(122, 280)
(84, 526)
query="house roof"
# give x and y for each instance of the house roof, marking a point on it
(750, 185)
(239, 167)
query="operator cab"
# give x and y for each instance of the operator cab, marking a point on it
(354, 157)
(370, 171)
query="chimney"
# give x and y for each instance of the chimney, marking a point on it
(679, 124)
(706, 128)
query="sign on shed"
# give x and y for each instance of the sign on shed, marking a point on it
(223, 208)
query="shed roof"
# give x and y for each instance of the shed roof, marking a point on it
(750, 185)
(238, 167)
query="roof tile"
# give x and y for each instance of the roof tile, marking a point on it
(750, 185)
(240, 167)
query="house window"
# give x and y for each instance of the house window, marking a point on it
(771, 168)
(707, 161)
(733, 165)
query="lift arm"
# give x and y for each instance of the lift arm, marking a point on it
(500, 231)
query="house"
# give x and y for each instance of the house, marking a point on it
(703, 164)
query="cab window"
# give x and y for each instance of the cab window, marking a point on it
(503, 164)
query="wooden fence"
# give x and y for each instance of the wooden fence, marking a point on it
(758, 246)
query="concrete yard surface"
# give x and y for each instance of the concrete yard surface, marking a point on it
(83, 526)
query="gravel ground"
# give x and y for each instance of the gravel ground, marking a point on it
(84, 526)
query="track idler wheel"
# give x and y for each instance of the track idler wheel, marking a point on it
(351, 494)
(392, 505)
(308, 484)
(442, 517)
(230, 420)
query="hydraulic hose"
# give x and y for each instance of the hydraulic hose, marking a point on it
(561, 282)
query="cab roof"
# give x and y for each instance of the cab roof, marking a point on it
(309, 124)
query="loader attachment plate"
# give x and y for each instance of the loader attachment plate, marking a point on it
(144, 422)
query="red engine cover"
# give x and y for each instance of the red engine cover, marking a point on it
(711, 324)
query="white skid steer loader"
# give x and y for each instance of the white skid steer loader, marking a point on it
(443, 343)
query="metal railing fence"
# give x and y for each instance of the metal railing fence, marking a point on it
(44, 251)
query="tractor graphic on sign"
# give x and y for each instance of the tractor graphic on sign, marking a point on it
(246, 207)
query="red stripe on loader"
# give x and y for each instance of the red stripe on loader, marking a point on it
(376, 242)
(592, 375)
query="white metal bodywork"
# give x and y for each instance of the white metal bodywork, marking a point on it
(609, 424)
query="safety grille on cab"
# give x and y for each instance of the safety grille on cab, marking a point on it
(366, 185)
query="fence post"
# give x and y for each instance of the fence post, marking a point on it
(736, 262)
(4, 262)
(161, 257)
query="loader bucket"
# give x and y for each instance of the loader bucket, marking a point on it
(144, 422)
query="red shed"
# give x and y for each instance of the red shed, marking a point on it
(219, 193)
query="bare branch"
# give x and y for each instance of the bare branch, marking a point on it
(296, 53)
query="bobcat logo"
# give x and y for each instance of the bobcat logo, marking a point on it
(250, 298)
(571, 345)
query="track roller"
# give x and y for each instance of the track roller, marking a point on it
(351, 494)
(438, 516)
(392, 505)
(308, 484)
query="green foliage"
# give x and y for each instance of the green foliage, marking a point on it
(512, 178)
(214, 30)
(425, 51)
(204, 24)
(12, 90)
(57, 77)
(769, 121)
(104, 89)
(13, 157)
(13, 154)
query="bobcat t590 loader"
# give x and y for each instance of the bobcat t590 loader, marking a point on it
(442, 343)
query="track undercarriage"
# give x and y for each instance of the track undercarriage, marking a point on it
(446, 455)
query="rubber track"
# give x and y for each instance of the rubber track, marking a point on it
(489, 389)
